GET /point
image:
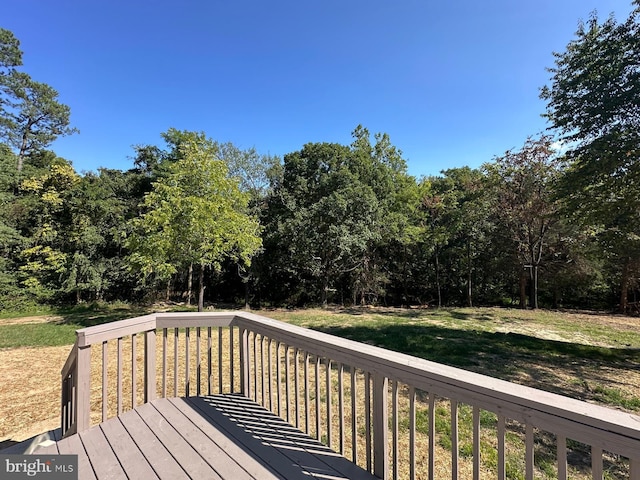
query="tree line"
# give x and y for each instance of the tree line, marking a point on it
(554, 223)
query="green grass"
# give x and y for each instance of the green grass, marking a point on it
(65, 321)
(37, 335)
(27, 312)
(544, 347)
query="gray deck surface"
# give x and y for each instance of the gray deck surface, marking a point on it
(212, 437)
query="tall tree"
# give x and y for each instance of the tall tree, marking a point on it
(320, 212)
(196, 214)
(525, 206)
(593, 102)
(31, 117)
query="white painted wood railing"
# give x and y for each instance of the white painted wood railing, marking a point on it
(395, 415)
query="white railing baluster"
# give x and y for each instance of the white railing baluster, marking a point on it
(245, 363)
(562, 456)
(432, 434)
(119, 378)
(306, 392)
(176, 336)
(476, 443)
(287, 381)
(529, 452)
(198, 362)
(596, 463)
(220, 369)
(105, 360)
(380, 426)
(164, 363)
(270, 380)
(454, 440)
(232, 379)
(255, 367)
(296, 385)
(634, 469)
(412, 433)
(354, 415)
(317, 382)
(150, 365)
(367, 418)
(329, 406)
(278, 377)
(187, 362)
(262, 372)
(134, 378)
(395, 448)
(341, 407)
(502, 474)
(82, 407)
(209, 362)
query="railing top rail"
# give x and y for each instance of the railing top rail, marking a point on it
(195, 319)
(68, 364)
(121, 328)
(109, 331)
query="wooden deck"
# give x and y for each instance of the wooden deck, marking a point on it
(213, 437)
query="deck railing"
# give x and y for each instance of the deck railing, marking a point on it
(395, 415)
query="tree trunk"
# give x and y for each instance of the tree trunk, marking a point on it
(469, 270)
(533, 289)
(523, 289)
(168, 292)
(189, 284)
(325, 291)
(624, 287)
(246, 295)
(438, 278)
(405, 288)
(201, 291)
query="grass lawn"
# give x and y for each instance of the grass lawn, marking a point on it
(581, 355)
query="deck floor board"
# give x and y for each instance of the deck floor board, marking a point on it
(127, 451)
(226, 437)
(72, 445)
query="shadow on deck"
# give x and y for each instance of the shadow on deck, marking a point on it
(215, 437)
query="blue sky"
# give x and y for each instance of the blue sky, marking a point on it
(453, 82)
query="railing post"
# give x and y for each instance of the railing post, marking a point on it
(380, 426)
(149, 366)
(83, 389)
(244, 363)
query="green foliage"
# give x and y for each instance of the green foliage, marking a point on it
(524, 207)
(10, 53)
(31, 117)
(593, 101)
(196, 214)
(331, 212)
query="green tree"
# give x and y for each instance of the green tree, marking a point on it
(31, 117)
(196, 214)
(331, 214)
(593, 102)
(525, 207)
(10, 53)
(43, 259)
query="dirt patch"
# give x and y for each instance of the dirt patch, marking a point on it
(30, 390)
(26, 320)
